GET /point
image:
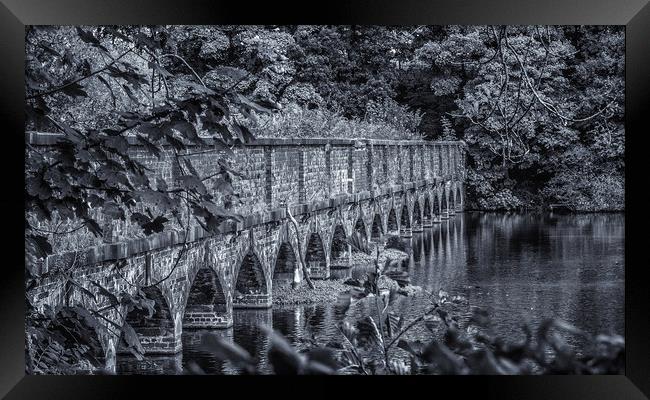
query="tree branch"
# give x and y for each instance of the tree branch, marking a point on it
(305, 271)
(549, 106)
(57, 89)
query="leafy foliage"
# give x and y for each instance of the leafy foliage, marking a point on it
(66, 339)
(284, 359)
(298, 122)
(522, 98)
(544, 351)
(63, 340)
(525, 99)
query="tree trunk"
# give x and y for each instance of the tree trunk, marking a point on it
(303, 264)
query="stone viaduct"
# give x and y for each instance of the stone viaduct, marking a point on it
(332, 186)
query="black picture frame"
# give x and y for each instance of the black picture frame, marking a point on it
(15, 14)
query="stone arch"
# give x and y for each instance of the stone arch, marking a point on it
(250, 275)
(451, 193)
(437, 203)
(366, 213)
(427, 210)
(391, 224)
(157, 331)
(405, 221)
(378, 210)
(285, 264)
(459, 196)
(339, 248)
(315, 257)
(251, 289)
(377, 229)
(417, 215)
(360, 228)
(444, 200)
(207, 302)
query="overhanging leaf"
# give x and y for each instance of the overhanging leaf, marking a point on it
(192, 183)
(157, 225)
(132, 341)
(227, 351)
(112, 209)
(150, 146)
(111, 297)
(75, 90)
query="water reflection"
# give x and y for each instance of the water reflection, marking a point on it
(149, 365)
(206, 361)
(249, 335)
(518, 266)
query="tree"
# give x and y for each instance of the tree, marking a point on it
(525, 96)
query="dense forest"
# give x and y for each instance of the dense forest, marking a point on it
(540, 108)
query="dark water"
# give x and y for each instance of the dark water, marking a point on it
(519, 267)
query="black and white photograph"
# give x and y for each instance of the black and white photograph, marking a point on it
(324, 199)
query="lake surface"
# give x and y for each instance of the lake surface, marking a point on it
(519, 267)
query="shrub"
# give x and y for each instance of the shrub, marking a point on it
(489, 193)
(294, 121)
(587, 190)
